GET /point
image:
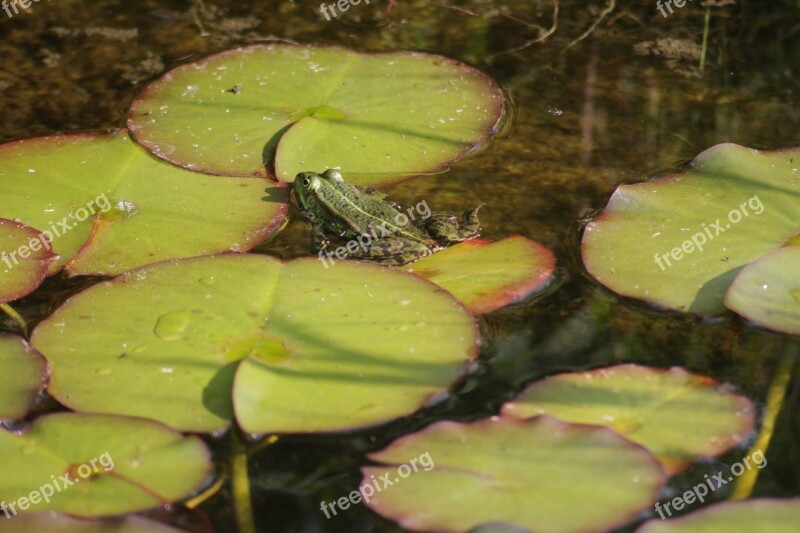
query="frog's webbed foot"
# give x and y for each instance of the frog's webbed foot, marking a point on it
(446, 228)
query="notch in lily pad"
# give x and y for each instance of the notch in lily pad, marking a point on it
(380, 117)
(89, 466)
(680, 417)
(284, 347)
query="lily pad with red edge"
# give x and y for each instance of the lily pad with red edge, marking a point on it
(760, 515)
(679, 416)
(680, 241)
(113, 465)
(380, 117)
(486, 275)
(288, 347)
(540, 474)
(108, 206)
(23, 377)
(767, 291)
(57, 522)
(24, 258)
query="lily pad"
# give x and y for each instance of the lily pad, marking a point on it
(767, 291)
(379, 117)
(22, 379)
(681, 240)
(107, 206)
(24, 259)
(39, 522)
(98, 465)
(303, 348)
(678, 416)
(541, 474)
(486, 275)
(761, 515)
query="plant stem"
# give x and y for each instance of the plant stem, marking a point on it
(705, 39)
(775, 395)
(240, 479)
(16, 317)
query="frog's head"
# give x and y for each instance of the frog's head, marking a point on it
(306, 185)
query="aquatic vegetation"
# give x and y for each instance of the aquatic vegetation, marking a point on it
(24, 260)
(88, 465)
(678, 416)
(767, 291)
(23, 377)
(765, 515)
(106, 206)
(680, 241)
(38, 522)
(540, 474)
(485, 275)
(380, 118)
(287, 347)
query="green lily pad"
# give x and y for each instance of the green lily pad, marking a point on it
(767, 291)
(379, 117)
(98, 465)
(24, 259)
(541, 474)
(22, 379)
(678, 416)
(761, 515)
(107, 206)
(39, 522)
(680, 241)
(486, 275)
(303, 348)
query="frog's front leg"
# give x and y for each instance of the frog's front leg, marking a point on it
(319, 239)
(446, 228)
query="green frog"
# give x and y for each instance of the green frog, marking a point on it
(374, 227)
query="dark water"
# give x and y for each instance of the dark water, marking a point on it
(626, 102)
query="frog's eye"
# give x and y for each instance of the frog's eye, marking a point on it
(306, 183)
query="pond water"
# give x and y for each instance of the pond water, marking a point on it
(602, 94)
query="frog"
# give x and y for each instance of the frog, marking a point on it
(376, 228)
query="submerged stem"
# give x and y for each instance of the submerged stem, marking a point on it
(16, 317)
(775, 395)
(240, 479)
(705, 38)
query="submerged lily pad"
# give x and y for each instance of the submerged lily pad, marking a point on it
(761, 515)
(107, 206)
(40, 522)
(681, 240)
(678, 416)
(304, 348)
(541, 474)
(767, 291)
(97, 465)
(379, 117)
(23, 376)
(24, 259)
(486, 275)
